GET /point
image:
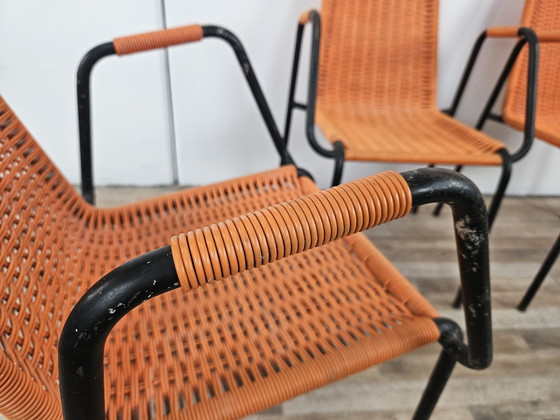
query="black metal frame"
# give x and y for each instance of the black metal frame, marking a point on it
(526, 35)
(84, 102)
(84, 334)
(337, 152)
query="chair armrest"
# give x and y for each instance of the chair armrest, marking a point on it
(154, 40)
(157, 39)
(305, 17)
(503, 32)
(224, 249)
(525, 36)
(514, 32)
(548, 36)
(287, 228)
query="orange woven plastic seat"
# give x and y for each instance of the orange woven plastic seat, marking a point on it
(372, 89)
(417, 136)
(279, 293)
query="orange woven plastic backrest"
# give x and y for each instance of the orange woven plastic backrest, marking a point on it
(378, 54)
(539, 15)
(35, 200)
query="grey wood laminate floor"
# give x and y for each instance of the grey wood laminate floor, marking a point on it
(524, 379)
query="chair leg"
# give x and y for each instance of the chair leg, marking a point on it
(502, 185)
(539, 278)
(495, 205)
(440, 375)
(457, 300)
(338, 155)
(438, 208)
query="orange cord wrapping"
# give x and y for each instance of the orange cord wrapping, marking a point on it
(305, 17)
(503, 31)
(157, 39)
(193, 253)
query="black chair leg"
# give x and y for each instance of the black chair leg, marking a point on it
(502, 185)
(539, 278)
(457, 301)
(438, 208)
(495, 205)
(338, 155)
(440, 375)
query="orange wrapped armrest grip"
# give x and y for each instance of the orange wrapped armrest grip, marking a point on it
(157, 39)
(513, 32)
(503, 31)
(305, 17)
(549, 36)
(227, 248)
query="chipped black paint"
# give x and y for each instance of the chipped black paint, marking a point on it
(337, 152)
(471, 236)
(83, 337)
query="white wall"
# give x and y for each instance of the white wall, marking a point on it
(41, 44)
(218, 128)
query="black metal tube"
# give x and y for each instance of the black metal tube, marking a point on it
(222, 33)
(502, 185)
(80, 351)
(338, 163)
(527, 36)
(466, 74)
(84, 102)
(496, 117)
(293, 82)
(84, 114)
(500, 83)
(438, 208)
(541, 275)
(471, 236)
(315, 19)
(531, 101)
(438, 379)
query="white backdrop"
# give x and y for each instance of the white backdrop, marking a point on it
(217, 127)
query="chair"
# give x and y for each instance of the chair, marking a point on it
(372, 86)
(540, 22)
(254, 323)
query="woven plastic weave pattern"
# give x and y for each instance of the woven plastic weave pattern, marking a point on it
(539, 15)
(224, 350)
(376, 87)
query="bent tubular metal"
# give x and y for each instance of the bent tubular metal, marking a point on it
(150, 41)
(83, 337)
(526, 36)
(337, 152)
(541, 275)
